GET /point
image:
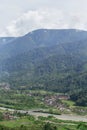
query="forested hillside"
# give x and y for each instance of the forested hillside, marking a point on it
(54, 60)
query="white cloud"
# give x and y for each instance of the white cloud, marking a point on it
(45, 18)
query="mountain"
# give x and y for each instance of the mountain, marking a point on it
(5, 40)
(40, 38)
(46, 59)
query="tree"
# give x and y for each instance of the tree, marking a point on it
(82, 126)
(48, 126)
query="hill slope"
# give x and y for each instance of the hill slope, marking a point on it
(46, 59)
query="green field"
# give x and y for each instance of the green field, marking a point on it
(42, 123)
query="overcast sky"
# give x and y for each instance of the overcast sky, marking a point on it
(18, 17)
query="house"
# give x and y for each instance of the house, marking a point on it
(63, 97)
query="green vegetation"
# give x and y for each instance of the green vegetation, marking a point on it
(70, 103)
(40, 101)
(80, 97)
(29, 122)
(19, 99)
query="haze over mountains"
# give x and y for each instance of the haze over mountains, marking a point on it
(45, 59)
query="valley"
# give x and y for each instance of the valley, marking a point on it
(43, 65)
(43, 80)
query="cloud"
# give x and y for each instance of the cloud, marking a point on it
(44, 18)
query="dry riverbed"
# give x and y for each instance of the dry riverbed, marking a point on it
(62, 117)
